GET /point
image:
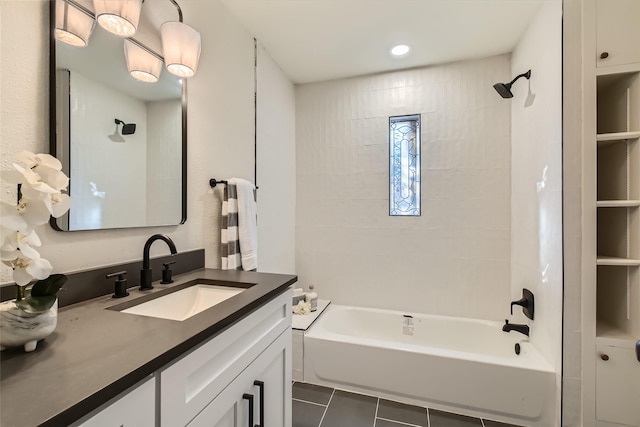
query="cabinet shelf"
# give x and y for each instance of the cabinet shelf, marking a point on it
(617, 261)
(610, 138)
(618, 203)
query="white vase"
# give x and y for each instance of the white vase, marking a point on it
(18, 328)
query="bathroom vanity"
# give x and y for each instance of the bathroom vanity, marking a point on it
(104, 367)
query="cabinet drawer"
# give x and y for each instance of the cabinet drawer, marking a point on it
(617, 385)
(190, 383)
(135, 407)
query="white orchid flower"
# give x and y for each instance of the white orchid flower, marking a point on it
(31, 160)
(24, 216)
(55, 178)
(59, 204)
(43, 179)
(56, 203)
(12, 219)
(26, 269)
(17, 252)
(17, 245)
(41, 197)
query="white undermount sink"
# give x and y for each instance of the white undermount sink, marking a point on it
(185, 303)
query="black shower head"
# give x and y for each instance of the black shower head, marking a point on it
(504, 89)
(127, 129)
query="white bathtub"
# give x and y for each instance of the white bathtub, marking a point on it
(461, 365)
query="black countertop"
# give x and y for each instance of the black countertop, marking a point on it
(95, 353)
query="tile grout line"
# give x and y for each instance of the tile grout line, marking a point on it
(375, 417)
(327, 407)
(397, 422)
(428, 418)
(482, 422)
(309, 402)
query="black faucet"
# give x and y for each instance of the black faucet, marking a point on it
(508, 327)
(145, 273)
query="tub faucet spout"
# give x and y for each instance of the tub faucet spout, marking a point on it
(508, 327)
(145, 273)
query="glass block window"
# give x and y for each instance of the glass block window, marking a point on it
(404, 165)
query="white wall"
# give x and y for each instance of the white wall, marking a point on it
(536, 179)
(452, 260)
(220, 129)
(276, 167)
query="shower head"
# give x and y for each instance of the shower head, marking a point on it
(504, 89)
(127, 129)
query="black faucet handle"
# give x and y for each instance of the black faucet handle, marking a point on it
(120, 290)
(120, 275)
(526, 302)
(521, 302)
(166, 273)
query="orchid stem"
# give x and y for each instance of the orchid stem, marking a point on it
(20, 292)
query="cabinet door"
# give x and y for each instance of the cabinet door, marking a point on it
(231, 409)
(195, 380)
(618, 32)
(275, 375)
(134, 408)
(618, 386)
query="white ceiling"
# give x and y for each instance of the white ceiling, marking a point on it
(316, 40)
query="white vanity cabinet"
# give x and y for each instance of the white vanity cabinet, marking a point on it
(206, 386)
(618, 32)
(134, 408)
(211, 384)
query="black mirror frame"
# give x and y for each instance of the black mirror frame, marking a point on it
(52, 127)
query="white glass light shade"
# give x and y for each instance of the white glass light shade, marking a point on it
(73, 26)
(141, 64)
(119, 17)
(181, 48)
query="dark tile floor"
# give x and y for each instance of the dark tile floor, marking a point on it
(317, 406)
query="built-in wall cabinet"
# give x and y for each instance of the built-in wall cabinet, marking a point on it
(617, 145)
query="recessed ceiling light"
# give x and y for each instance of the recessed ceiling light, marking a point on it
(400, 50)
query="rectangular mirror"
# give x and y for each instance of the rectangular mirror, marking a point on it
(122, 141)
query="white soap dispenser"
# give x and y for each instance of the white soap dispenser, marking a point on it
(312, 298)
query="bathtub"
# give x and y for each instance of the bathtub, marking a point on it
(460, 365)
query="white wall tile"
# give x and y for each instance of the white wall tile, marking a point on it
(454, 259)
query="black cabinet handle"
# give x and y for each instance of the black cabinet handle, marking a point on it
(260, 385)
(249, 397)
(638, 350)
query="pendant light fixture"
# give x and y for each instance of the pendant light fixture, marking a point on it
(142, 64)
(74, 24)
(180, 46)
(119, 17)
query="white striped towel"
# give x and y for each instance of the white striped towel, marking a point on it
(239, 233)
(247, 223)
(230, 245)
